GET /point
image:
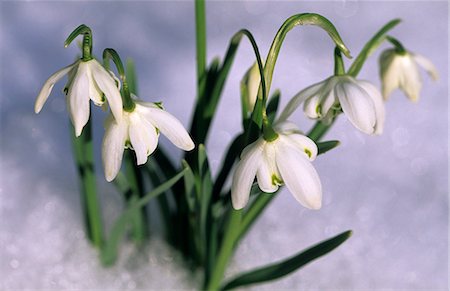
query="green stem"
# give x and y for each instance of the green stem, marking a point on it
(290, 23)
(200, 28)
(319, 130)
(109, 53)
(87, 41)
(370, 47)
(399, 48)
(138, 217)
(339, 68)
(226, 250)
(85, 163)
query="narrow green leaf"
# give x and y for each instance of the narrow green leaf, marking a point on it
(231, 156)
(108, 253)
(189, 186)
(285, 267)
(325, 146)
(272, 106)
(204, 189)
(255, 209)
(206, 103)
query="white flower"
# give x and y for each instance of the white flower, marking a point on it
(401, 71)
(249, 86)
(360, 100)
(139, 130)
(86, 80)
(286, 160)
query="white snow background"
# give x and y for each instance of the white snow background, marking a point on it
(391, 190)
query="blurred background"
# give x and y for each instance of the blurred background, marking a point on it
(391, 190)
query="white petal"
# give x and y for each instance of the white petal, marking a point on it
(113, 146)
(78, 99)
(390, 70)
(357, 105)
(378, 103)
(168, 125)
(267, 170)
(95, 93)
(298, 99)
(245, 174)
(143, 137)
(410, 81)
(286, 127)
(427, 65)
(299, 176)
(311, 107)
(108, 86)
(48, 86)
(303, 144)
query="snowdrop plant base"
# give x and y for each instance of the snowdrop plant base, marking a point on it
(204, 218)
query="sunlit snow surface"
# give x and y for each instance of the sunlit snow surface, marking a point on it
(391, 190)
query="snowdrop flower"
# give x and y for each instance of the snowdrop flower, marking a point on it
(249, 86)
(88, 80)
(360, 100)
(400, 70)
(285, 160)
(139, 130)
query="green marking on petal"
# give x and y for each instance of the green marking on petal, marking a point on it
(319, 110)
(276, 180)
(128, 144)
(308, 152)
(159, 105)
(66, 91)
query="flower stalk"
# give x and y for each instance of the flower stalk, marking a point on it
(87, 41)
(84, 158)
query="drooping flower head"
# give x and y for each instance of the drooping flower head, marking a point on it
(285, 160)
(360, 101)
(401, 70)
(87, 80)
(139, 130)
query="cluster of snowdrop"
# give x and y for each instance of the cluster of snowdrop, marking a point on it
(136, 126)
(273, 151)
(286, 159)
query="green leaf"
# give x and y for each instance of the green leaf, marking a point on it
(325, 146)
(207, 100)
(108, 253)
(272, 106)
(204, 190)
(285, 267)
(154, 173)
(189, 186)
(232, 154)
(255, 209)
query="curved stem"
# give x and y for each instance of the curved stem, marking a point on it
(290, 23)
(87, 40)
(109, 53)
(370, 47)
(399, 48)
